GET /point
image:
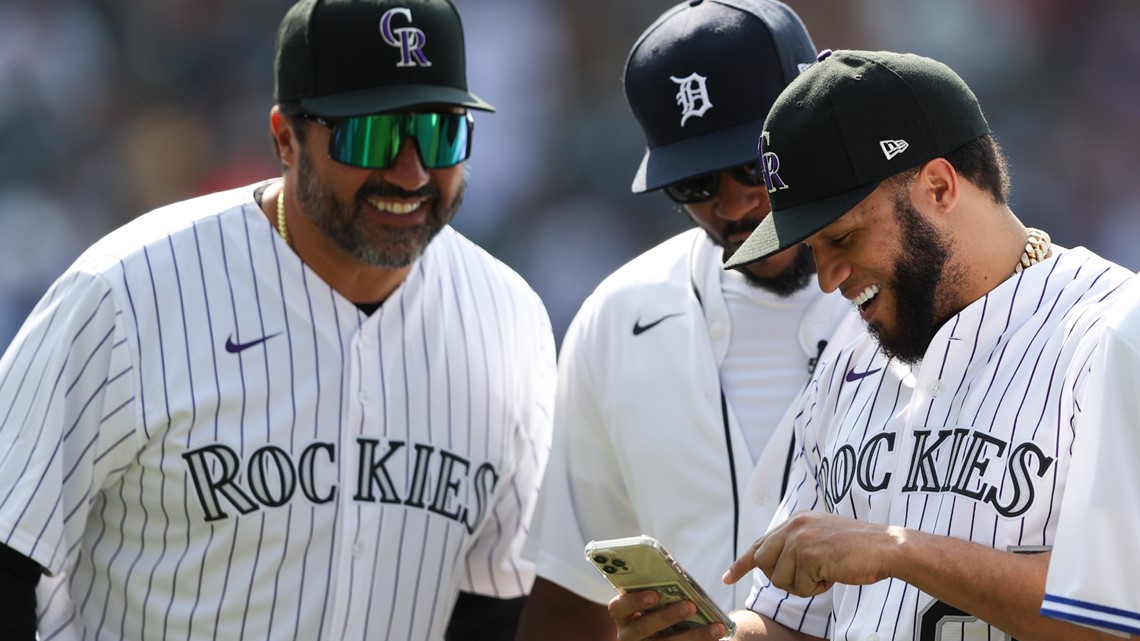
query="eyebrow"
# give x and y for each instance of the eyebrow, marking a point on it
(840, 226)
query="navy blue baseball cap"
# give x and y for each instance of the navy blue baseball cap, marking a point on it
(700, 81)
(342, 58)
(852, 120)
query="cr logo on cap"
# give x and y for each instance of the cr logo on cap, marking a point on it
(771, 164)
(693, 96)
(410, 40)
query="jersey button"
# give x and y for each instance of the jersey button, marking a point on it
(716, 331)
(363, 396)
(872, 637)
(365, 342)
(761, 497)
(357, 548)
(936, 388)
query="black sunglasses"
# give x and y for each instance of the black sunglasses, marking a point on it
(704, 187)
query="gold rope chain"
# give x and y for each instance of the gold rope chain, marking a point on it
(283, 227)
(1037, 248)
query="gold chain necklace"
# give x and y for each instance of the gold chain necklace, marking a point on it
(1037, 248)
(282, 226)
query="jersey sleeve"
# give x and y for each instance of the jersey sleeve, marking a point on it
(1090, 578)
(807, 615)
(583, 495)
(68, 421)
(495, 563)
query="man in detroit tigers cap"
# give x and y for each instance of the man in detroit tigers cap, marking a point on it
(663, 363)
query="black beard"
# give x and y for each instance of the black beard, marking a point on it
(922, 287)
(796, 276)
(393, 247)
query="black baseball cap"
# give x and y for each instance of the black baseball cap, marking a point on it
(700, 81)
(341, 58)
(850, 121)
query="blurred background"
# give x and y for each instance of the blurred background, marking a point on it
(109, 108)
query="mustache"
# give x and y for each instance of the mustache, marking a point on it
(388, 190)
(739, 226)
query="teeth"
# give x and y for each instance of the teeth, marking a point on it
(866, 295)
(393, 207)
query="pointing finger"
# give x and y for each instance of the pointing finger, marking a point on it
(743, 565)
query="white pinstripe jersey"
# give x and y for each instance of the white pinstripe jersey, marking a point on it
(1092, 572)
(974, 443)
(200, 439)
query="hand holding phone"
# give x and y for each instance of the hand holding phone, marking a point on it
(642, 563)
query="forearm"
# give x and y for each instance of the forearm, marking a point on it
(1004, 589)
(553, 613)
(751, 626)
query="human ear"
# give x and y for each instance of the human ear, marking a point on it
(938, 185)
(284, 137)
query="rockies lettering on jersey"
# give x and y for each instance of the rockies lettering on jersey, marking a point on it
(951, 460)
(273, 477)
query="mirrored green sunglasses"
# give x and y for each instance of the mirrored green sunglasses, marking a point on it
(373, 142)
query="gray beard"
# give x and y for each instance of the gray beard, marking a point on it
(344, 224)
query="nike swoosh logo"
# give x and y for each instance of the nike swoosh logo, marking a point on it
(853, 376)
(234, 348)
(638, 327)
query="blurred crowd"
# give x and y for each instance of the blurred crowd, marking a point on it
(109, 108)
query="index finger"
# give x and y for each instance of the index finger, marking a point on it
(743, 565)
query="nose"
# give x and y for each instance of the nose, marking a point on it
(831, 270)
(736, 200)
(407, 170)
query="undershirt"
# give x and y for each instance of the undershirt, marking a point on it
(765, 365)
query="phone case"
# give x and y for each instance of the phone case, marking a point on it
(642, 563)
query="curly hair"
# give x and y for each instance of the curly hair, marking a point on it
(980, 161)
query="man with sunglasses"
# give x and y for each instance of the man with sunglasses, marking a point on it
(674, 373)
(303, 409)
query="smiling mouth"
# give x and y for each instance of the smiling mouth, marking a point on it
(866, 296)
(395, 208)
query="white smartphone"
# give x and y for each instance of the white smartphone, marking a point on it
(642, 563)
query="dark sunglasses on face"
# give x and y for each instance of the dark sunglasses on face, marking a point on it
(702, 188)
(374, 141)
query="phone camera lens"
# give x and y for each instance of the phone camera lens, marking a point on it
(599, 559)
(619, 563)
(609, 569)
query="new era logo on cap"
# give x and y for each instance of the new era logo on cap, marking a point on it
(892, 148)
